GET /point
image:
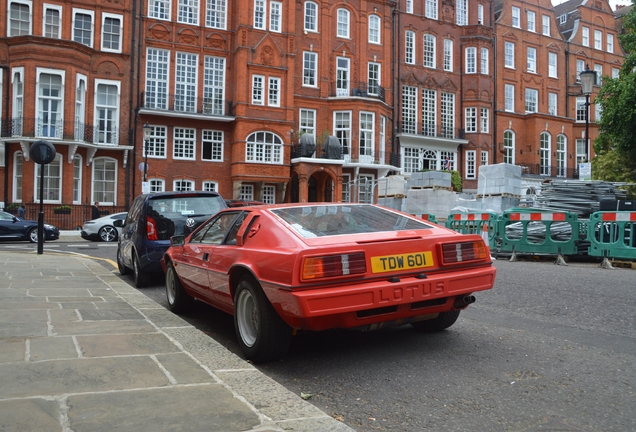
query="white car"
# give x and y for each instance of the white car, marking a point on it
(102, 228)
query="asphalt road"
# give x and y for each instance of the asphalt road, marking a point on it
(549, 348)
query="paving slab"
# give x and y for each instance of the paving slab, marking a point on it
(52, 348)
(30, 415)
(125, 344)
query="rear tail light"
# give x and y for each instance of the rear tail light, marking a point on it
(151, 229)
(466, 251)
(334, 265)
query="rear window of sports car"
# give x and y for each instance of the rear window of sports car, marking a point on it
(320, 220)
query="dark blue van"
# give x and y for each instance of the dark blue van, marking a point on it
(151, 221)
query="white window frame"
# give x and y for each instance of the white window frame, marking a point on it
(311, 16)
(484, 158)
(585, 36)
(157, 78)
(509, 97)
(27, 3)
(53, 128)
(268, 194)
(157, 185)
(515, 19)
(509, 138)
(214, 85)
(183, 185)
(375, 29)
(307, 121)
(461, 12)
(531, 60)
(374, 78)
(532, 100)
(470, 120)
(484, 61)
(114, 139)
(81, 82)
(471, 60)
(429, 112)
(532, 21)
(552, 65)
(447, 114)
(366, 148)
(561, 155)
(409, 6)
(598, 39)
(18, 176)
(273, 91)
(77, 179)
(246, 193)
(216, 14)
(160, 9)
(186, 81)
(184, 143)
(509, 55)
(545, 150)
(121, 31)
(110, 186)
(275, 16)
(409, 109)
(430, 51)
(215, 140)
(342, 125)
(610, 42)
(157, 142)
(545, 24)
(210, 186)
(480, 14)
(48, 7)
(260, 12)
(580, 109)
(268, 151)
(431, 9)
(484, 120)
(448, 55)
(409, 47)
(310, 73)
(343, 23)
(91, 13)
(188, 12)
(48, 179)
(580, 67)
(553, 99)
(598, 68)
(470, 164)
(258, 89)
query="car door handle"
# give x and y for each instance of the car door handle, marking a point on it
(205, 256)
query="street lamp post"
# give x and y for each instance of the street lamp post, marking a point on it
(588, 78)
(147, 129)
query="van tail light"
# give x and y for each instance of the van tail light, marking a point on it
(151, 229)
(453, 253)
(333, 265)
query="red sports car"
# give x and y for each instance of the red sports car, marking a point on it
(284, 267)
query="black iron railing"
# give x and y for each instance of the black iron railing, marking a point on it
(549, 171)
(25, 127)
(187, 104)
(361, 89)
(430, 130)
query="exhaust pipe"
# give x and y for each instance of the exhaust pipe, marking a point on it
(462, 302)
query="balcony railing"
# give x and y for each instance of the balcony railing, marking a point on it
(428, 130)
(23, 127)
(210, 106)
(319, 152)
(361, 89)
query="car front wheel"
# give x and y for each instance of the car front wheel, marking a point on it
(443, 321)
(107, 233)
(178, 299)
(33, 235)
(262, 334)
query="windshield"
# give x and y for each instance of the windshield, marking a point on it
(321, 220)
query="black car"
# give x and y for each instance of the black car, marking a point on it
(14, 228)
(151, 221)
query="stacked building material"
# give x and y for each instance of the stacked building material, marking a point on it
(499, 180)
(579, 196)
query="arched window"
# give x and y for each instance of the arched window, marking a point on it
(311, 16)
(52, 181)
(429, 160)
(561, 159)
(343, 23)
(264, 147)
(509, 147)
(544, 157)
(157, 185)
(374, 29)
(210, 186)
(18, 165)
(77, 179)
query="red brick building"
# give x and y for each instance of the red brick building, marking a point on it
(277, 101)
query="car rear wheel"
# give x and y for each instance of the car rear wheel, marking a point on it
(141, 277)
(123, 270)
(262, 334)
(443, 321)
(107, 233)
(33, 235)
(178, 299)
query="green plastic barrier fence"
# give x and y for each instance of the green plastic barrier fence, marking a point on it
(481, 223)
(612, 234)
(539, 232)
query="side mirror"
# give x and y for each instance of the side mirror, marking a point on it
(118, 223)
(177, 240)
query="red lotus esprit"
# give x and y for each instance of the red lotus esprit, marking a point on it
(314, 266)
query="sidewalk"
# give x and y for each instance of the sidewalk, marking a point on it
(81, 350)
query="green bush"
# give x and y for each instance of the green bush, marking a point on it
(456, 180)
(63, 207)
(13, 206)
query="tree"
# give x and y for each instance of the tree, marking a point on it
(615, 146)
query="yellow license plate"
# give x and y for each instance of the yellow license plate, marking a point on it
(389, 263)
